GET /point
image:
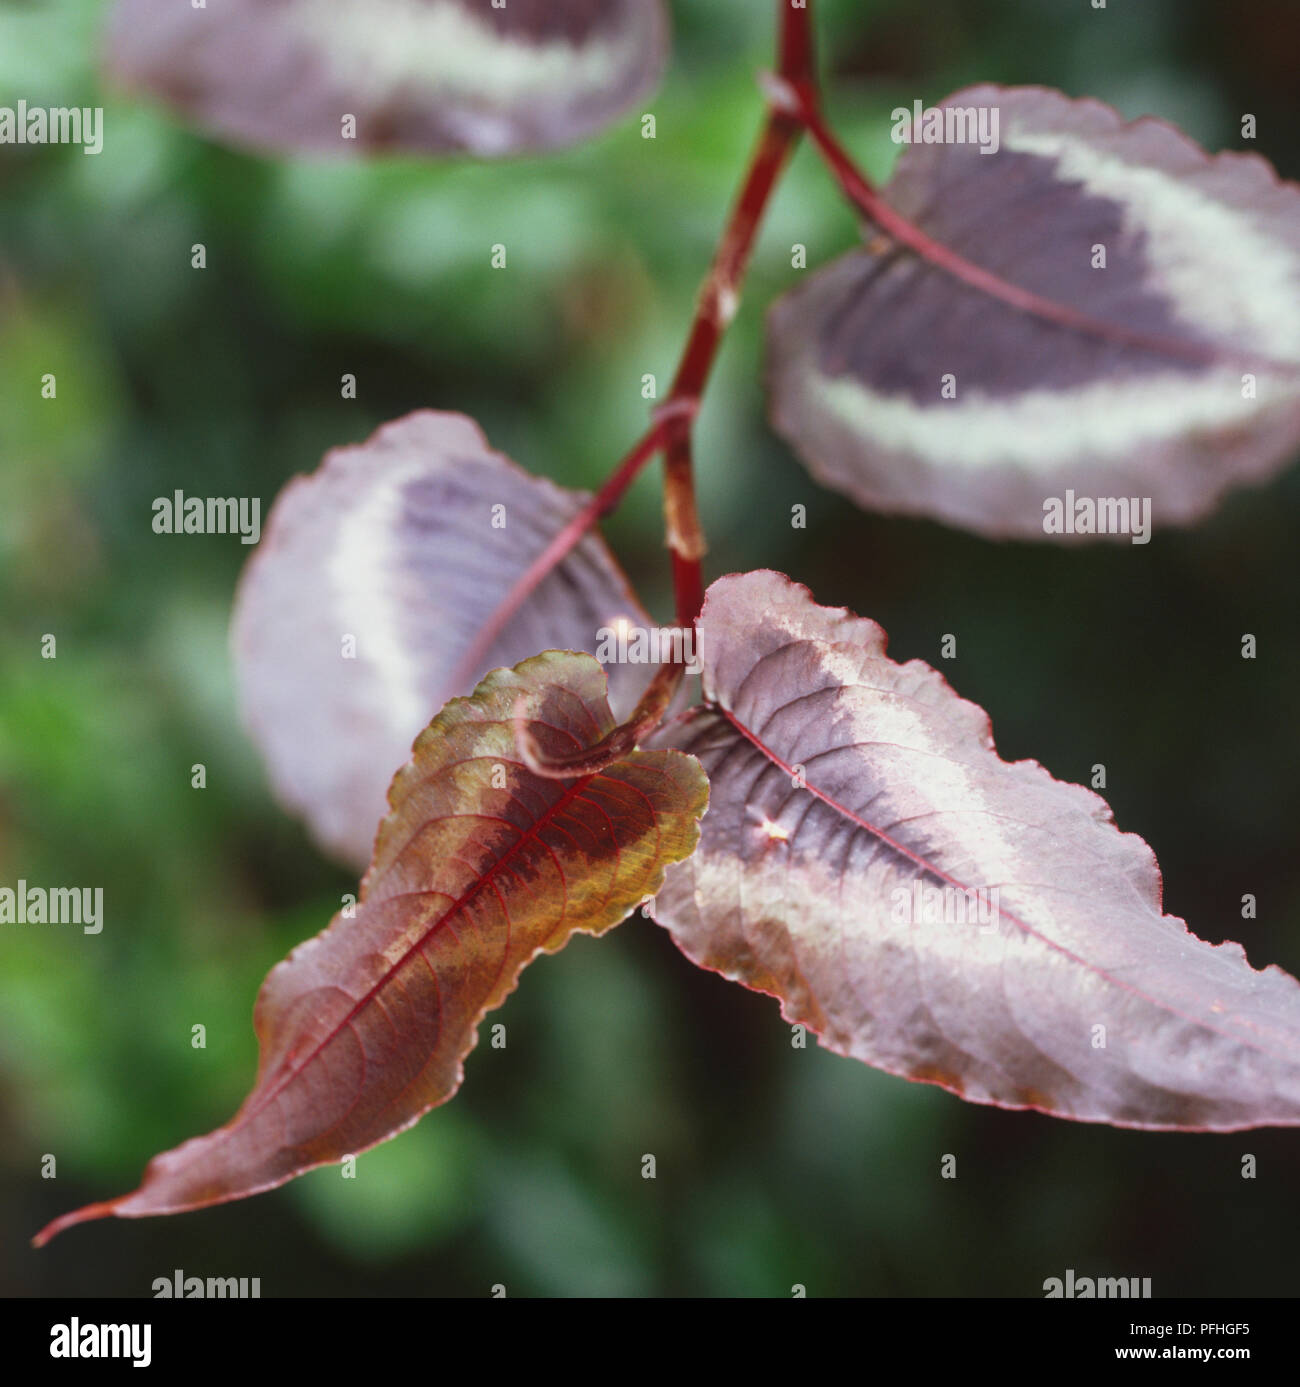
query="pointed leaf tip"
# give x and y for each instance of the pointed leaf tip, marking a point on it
(479, 867)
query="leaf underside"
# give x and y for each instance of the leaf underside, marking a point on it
(939, 913)
(914, 392)
(479, 866)
(431, 76)
(372, 580)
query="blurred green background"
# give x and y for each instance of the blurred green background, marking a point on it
(776, 1166)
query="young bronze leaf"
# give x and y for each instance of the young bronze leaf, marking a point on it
(423, 75)
(913, 391)
(939, 913)
(374, 577)
(480, 866)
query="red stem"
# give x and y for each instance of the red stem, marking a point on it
(671, 427)
(719, 292)
(795, 55)
(716, 306)
(688, 588)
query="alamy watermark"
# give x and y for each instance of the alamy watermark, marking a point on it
(72, 1339)
(924, 904)
(83, 125)
(625, 644)
(1096, 1287)
(179, 514)
(178, 1286)
(1098, 515)
(977, 125)
(53, 905)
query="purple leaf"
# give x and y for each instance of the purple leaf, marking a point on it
(479, 867)
(426, 75)
(372, 580)
(915, 392)
(939, 913)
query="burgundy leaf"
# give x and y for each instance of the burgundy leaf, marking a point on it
(370, 585)
(425, 75)
(939, 913)
(913, 391)
(479, 867)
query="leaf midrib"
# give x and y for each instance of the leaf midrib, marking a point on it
(923, 864)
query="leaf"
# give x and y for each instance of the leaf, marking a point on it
(437, 76)
(479, 867)
(1152, 401)
(370, 585)
(856, 804)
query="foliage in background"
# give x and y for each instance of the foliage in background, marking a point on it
(775, 1165)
